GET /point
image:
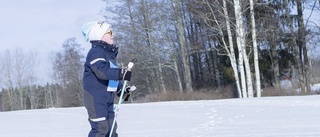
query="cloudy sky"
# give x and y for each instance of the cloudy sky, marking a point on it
(43, 25)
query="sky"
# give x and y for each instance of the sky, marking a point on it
(43, 25)
(291, 116)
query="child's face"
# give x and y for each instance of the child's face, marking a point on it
(108, 37)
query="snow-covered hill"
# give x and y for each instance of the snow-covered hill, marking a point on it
(296, 116)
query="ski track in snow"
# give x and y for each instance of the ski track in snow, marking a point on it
(256, 117)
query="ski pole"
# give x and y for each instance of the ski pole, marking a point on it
(116, 109)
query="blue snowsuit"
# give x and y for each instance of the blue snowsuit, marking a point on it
(101, 81)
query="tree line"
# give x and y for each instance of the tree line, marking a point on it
(19, 80)
(192, 44)
(183, 46)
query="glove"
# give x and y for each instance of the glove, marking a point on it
(128, 90)
(125, 75)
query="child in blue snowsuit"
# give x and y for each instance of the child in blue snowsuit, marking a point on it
(101, 78)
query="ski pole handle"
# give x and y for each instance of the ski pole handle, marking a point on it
(130, 65)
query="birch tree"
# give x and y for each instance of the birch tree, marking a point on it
(232, 55)
(255, 49)
(243, 58)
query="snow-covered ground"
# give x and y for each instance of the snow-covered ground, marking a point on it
(295, 116)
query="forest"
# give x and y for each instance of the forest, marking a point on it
(185, 49)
